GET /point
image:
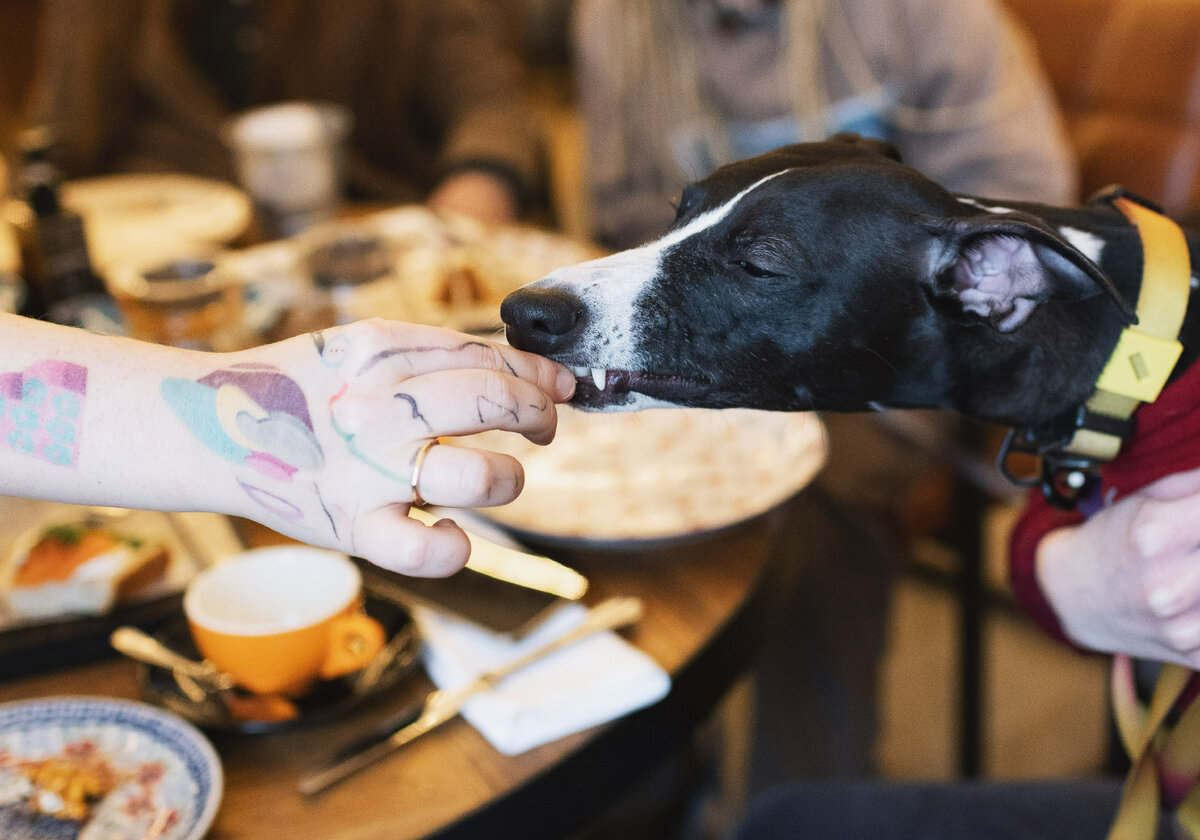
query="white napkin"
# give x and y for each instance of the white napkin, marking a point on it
(593, 681)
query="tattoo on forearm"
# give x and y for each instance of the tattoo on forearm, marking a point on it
(41, 411)
(253, 416)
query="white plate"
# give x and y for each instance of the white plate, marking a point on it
(168, 774)
(144, 217)
(665, 474)
(426, 247)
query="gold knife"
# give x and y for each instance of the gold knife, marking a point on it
(445, 705)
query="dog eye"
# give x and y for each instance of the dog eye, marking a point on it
(755, 271)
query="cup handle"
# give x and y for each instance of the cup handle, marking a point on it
(355, 639)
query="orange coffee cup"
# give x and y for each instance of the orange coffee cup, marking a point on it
(279, 619)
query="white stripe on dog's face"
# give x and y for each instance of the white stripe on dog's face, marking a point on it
(609, 286)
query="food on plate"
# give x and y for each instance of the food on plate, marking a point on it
(82, 568)
(79, 792)
(461, 285)
(67, 786)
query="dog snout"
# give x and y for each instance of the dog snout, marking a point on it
(542, 320)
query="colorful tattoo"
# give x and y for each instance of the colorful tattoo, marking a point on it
(332, 352)
(253, 416)
(256, 417)
(249, 414)
(41, 411)
(272, 502)
(352, 447)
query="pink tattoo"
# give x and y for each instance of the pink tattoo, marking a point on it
(41, 411)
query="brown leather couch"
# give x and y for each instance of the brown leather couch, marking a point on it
(1127, 76)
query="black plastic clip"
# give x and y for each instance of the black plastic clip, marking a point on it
(1064, 477)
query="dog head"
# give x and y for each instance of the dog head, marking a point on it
(819, 276)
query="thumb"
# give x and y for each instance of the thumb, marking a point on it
(388, 538)
(1166, 527)
(1175, 486)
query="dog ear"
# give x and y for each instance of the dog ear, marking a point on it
(879, 147)
(1002, 267)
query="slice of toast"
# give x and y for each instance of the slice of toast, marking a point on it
(80, 569)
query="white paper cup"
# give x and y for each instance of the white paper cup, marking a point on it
(288, 159)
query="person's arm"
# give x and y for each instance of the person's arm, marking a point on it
(150, 109)
(977, 113)
(316, 437)
(476, 84)
(1037, 520)
(629, 195)
(1127, 580)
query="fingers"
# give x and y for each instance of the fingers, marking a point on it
(1176, 639)
(450, 476)
(1128, 580)
(451, 402)
(1174, 486)
(484, 401)
(1173, 588)
(1166, 527)
(392, 351)
(459, 477)
(387, 389)
(388, 538)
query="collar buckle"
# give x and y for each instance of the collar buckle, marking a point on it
(1069, 472)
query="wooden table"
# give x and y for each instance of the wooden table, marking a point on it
(707, 601)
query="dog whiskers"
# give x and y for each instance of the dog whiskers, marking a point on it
(883, 359)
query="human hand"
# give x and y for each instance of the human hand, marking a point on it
(1128, 580)
(486, 197)
(327, 430)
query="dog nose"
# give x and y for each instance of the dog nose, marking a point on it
(541, 320)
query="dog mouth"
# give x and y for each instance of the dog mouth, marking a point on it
(599, 387)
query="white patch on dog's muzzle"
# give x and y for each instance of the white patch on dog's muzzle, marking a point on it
(608, 288)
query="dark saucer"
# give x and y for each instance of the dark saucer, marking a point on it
(328, 700)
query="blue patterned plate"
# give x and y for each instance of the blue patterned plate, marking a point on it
(85, 768)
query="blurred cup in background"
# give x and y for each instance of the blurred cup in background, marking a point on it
(187, 301)
(288, 158)
(350, 272)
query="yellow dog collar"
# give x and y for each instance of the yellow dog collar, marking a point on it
(1146, 352)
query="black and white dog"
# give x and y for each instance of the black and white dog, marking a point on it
(829, 276)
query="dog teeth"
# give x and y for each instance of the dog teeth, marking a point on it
(597, 375)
